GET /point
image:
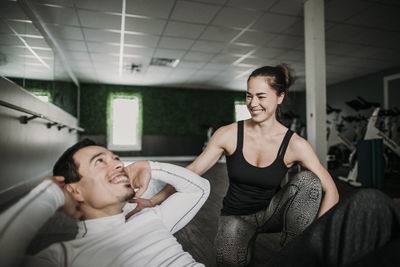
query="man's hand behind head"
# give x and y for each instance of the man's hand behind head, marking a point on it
(139, 174)
(71, 206)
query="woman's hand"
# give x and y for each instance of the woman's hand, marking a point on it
(141, 204)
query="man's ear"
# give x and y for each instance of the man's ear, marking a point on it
(280, 98)
(74, 190)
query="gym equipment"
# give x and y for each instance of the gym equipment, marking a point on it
(372, 132)
(336, 140)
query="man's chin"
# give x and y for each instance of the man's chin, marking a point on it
(129, 196)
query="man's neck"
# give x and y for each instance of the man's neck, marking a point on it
(92, 213)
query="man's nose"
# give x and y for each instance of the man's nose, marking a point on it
(118, 164)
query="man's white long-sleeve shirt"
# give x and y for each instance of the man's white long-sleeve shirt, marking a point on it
(146, 239)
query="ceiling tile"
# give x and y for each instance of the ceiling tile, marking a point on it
(237, 49)
(284, 41)
(102, 48)
(255, 38)
(169, 53)
(72, 45)
(341, 32)
(139, 51)
(242, 17)
(255, 61)
(151, 8)
(65, 3)
(198, 56)
(390, 55)
(213, 66)
(36, 42)
(377, 38)
(190, 64)
(219, 34)
(215, 2)
(289, 7)
(224, 59)
(57, 15)
(99, 20)
(101, 36)
(100, 5)
(338, 60)
(23, 28)
(11, 10)
(297, 28)
(291, 55)
(175, 43)
(82, 57)
(141, 40)
(194, 12)
(148, 26)
(340, 48)
(185, 30)
(268, 52)
(274, 23)
(373, 17)
(208, 46)
(66, 32)
(253, 4)
(335, 11)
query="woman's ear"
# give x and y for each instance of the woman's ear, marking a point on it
(74, 190)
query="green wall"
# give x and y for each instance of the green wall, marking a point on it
(166, 111)
(63, 94)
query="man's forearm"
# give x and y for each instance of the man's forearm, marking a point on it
(20, 222)
(162, 195)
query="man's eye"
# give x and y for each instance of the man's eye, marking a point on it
(98, 161)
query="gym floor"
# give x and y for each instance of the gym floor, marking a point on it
(198, 236)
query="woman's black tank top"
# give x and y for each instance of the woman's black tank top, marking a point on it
(251, 188)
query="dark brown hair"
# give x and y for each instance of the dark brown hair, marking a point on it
(278, 77)
(66, 166)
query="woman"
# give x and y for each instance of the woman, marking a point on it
(259, 151)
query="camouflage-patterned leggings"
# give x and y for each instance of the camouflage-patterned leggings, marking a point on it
(290, 211)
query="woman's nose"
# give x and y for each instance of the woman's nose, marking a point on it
(254, 102)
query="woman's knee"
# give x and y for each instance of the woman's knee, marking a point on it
(233, 241)
(307, 179)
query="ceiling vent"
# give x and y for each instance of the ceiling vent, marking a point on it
(164, 62)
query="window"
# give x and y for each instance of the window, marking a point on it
(241, 111)
(124, 126)
(43, 95)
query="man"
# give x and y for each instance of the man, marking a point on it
(362, 230)
(91, 182)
